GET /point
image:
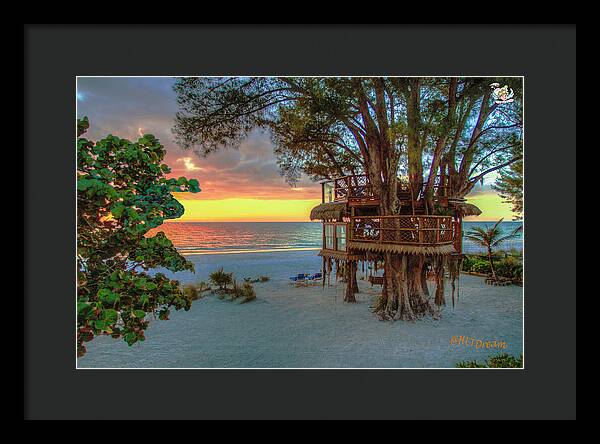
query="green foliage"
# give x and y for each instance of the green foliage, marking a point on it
(470, 364)
(325, 127)
(509, 266)
(509, 185)
(122, 193)
(221, 279)
(468, 263)
(503, 360)
(490, 238)
(481, 267)
(191, 292)
(236, 291)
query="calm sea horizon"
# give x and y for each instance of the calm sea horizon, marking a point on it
(245, 237)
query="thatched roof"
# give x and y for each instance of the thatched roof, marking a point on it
(340, 255)
(466, 209)
(328, 211)
(398, 248)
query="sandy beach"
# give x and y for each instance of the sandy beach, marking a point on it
(311, 327)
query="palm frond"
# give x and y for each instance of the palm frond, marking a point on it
(477, 231)
(509, 236)
(498, 223)
(478, 240)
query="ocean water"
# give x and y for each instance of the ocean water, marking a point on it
(506, 227)
(240, 237)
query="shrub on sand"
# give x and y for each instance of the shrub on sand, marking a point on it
(258, 279)
(247, 293)
(236, 291)
(221, 279)
(202, 286)
(468, 263)
(191, 292)
(510, 267)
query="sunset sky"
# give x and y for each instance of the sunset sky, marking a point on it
(237, 185)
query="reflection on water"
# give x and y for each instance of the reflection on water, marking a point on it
(195, 237)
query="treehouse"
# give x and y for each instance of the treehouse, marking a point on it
(354, 230)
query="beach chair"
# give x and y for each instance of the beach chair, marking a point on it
(316, 278)
(298, 280)
(376, 280)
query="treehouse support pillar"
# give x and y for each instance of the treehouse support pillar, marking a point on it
(351, 284)
(439, 281)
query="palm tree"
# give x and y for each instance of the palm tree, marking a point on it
(489, 238)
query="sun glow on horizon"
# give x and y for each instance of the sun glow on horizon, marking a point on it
(492, 207)
(246, 210)
(298, 210)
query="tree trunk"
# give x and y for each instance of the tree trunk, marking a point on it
(492, 263)
(354, 279)
(402, 293)
(439, 282)
(351, 284)
(424, 286)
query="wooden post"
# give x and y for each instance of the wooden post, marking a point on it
(323, 192)
(350, 231)
(335, 246)
(459, 235)
(420, 225)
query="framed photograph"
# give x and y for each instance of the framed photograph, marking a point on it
(282, 224)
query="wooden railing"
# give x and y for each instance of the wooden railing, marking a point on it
(352, 187)
(358, 188)
(411, 230)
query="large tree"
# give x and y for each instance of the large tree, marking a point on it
(421, 128)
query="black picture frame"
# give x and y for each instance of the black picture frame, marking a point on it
(54, 55)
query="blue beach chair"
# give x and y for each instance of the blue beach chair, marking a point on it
(298, 279)
(316, 278)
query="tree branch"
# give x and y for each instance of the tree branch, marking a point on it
(497, 167)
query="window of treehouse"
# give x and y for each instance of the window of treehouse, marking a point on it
(329, 237)
(328, 192)
(340, 233)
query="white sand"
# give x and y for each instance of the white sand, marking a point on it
(310, 326)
